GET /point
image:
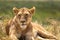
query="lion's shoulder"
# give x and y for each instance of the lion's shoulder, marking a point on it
(35, 24)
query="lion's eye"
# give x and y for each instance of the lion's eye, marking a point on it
(26, 14)
(19, 15)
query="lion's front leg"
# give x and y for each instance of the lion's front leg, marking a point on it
(12, 33)
(29, 36)
(13, 37)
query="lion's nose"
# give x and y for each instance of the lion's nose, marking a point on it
(22, 21)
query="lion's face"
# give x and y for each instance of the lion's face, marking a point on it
(23, 16)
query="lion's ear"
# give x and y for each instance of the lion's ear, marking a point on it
(15, 10)
(32, 10)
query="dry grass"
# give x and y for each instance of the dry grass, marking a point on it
(54, 28)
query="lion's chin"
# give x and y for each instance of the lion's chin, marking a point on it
(23, 27)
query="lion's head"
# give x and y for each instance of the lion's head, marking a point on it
(23, 16)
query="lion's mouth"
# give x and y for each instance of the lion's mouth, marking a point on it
(23, 26)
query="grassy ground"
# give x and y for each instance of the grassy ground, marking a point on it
(47, 14)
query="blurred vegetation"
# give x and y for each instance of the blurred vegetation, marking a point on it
(44, 10)
(46, 13)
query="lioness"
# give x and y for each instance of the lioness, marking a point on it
(22, 28)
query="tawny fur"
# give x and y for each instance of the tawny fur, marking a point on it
(31, 30)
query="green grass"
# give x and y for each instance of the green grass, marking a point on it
(43, 9)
